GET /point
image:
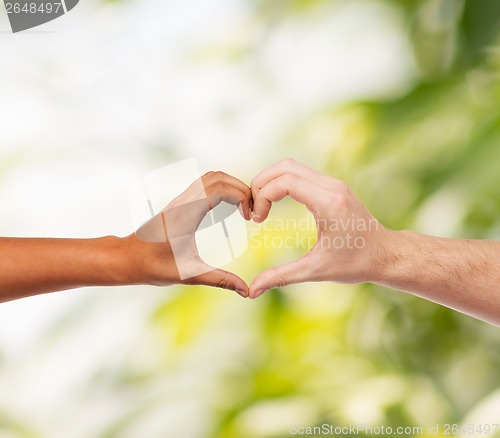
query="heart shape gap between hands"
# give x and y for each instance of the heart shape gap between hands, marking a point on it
(347, 233)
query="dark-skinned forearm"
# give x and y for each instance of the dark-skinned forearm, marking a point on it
(35, 266)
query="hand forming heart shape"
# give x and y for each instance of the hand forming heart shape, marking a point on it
(347, 233)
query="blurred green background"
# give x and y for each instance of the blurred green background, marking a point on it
(420, 146)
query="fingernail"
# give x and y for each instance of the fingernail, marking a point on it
(242, 293)
(258, 293)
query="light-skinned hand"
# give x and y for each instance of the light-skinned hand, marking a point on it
(348, 235)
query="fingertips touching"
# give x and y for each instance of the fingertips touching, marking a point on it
(254, 294)
(230, 281)
(261, 206)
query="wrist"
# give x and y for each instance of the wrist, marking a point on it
(118, 261)
(148, 263)
(392, 253)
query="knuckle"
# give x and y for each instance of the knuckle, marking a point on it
(223, 283)
(280, 281)
(287, 179)
(205, 179)
(340, 200)
(219, 187)
(324, 203)
(341, 186)
(287, 162)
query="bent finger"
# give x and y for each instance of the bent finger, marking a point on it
(221, 191)
(299, 189)
(215, 177)
(289, 166)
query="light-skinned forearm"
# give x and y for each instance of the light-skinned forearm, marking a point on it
(461, 274)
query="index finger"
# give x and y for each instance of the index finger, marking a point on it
(290, 166)
(299, 189)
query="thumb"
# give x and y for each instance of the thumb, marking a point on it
(280, 276)
(222, 279)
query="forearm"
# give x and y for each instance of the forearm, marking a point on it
(460, 274)
(35, 266)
